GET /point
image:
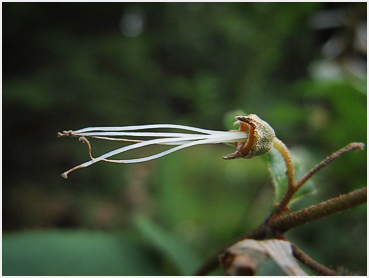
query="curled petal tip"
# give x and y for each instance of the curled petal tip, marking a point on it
(66, 133)
(234, 155)
(356, 146)
(237, 122)
(64, 175)
(361, 146)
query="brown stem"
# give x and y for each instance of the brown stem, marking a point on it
(325, 162)
(309, 262)
(340, 203)
(277, 226)
(291, 190)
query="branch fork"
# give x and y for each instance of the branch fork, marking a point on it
(276, 225)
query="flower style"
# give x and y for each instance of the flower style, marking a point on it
(254, 137)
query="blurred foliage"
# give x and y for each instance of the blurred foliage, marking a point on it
(299, 66)
(75, 253)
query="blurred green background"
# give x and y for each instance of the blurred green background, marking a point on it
(299, 66)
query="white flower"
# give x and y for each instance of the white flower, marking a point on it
(179, 140)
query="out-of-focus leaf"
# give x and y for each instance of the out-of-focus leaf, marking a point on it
(184, 258)
(73, 253)
(277, 169)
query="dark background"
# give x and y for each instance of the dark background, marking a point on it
(299, 66)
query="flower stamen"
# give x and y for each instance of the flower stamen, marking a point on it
(180, 140)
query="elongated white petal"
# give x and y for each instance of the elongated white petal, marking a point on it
(225, 137)
(184, 141)
(136, 134)
(141, 144)
(190, 144)
(138, 141)
(124, 149)
(139, 127)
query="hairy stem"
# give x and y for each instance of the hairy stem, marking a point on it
(309, 262)
(340, 203)
(281, 147)
(329, 159)
(291, 190)
(277, 226)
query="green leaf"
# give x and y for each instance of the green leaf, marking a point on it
(74, 253)
(185, 259)
(277, 169)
